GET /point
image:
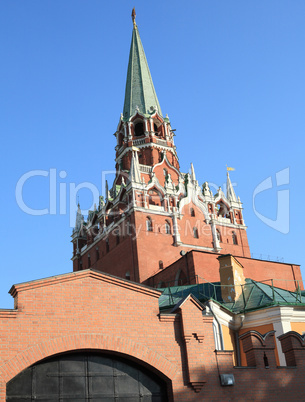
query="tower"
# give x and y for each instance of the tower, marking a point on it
(153, 211)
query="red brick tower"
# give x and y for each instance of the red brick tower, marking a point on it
(153, 211)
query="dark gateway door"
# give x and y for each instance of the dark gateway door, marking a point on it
(83, 377)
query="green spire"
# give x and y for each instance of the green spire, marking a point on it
(140, 91)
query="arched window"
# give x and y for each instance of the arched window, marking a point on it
(127, 275)
(154, 197)
(218, 235)
(192, 212)
(195, 231)
(160, 264)
(138, 129)
(149, 225)
(155, 128)
(234, 238)
(167, 228)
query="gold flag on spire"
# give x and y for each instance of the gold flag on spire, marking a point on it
(229, 169)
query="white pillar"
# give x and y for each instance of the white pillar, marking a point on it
(281, 327)
(176, 230)
(215, 239)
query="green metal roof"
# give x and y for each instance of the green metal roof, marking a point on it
(255, 295)
(140, 91)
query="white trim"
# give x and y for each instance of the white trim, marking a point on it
(197, 247)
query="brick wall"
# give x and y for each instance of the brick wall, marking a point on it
(206, 266)
(94, 311)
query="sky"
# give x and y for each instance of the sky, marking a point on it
(230, 75)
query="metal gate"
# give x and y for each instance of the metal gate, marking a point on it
(83, 377)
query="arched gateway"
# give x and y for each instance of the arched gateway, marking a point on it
(86, 376)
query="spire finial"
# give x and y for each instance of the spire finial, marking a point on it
(133, 16)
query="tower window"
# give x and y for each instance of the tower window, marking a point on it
(97, 254)
(89, 261)
(139, 129)
(234, 238)
(160, 264)
(195, 231)
(155, 128)
(192, 212)
(167, 228)
(127, 275)
(149, 225)
(107, 245)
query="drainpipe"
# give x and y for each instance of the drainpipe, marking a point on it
(218, 324)
(236, 336)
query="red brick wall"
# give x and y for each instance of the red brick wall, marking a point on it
(93, 311)
(206, 266)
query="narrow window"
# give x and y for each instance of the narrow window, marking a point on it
(139, 130)
(97, 254)
(234, 238)
(89, 261)
(195, 230)
(266, 360)
(128, 228)
(167, 228)
(107, 245)
(192, 212)
(155, 128)
(127, 275)
(117, 239)
(149, 225)
(160, 264)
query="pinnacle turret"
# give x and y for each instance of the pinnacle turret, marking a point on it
(79, 218)
(231, 196)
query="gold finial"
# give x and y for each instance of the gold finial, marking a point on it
(133, 16)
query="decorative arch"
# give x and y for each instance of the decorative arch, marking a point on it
(193, 197)
(224, 208)
(154, 183)
(166, 161)
(124, 346)
(154, 196)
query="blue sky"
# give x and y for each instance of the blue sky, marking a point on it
(230, 75)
